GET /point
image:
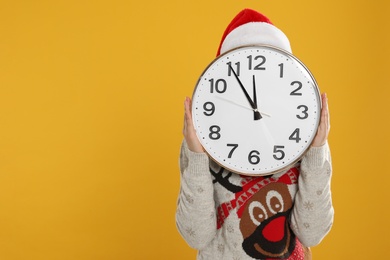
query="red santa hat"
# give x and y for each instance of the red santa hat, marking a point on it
(249, 28)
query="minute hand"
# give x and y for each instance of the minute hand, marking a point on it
(256, 112)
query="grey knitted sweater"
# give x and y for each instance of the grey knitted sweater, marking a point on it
(229, 216)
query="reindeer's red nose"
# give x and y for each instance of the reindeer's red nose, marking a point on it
(274, 231)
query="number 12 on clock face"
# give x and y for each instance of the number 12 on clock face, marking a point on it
(256, 110)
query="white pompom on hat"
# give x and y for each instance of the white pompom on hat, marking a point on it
(250, 27)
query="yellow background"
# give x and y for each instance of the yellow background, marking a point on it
(91, 109)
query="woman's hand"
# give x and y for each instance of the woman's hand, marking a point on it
(324, 127)
(189, 130)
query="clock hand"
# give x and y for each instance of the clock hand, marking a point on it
(254, 91)
(267, 133)
(255, 98)
(241, 105)
(256, 112)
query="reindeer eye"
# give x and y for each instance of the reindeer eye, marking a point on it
(275, 202)
(257, 212)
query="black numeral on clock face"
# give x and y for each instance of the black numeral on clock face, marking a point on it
(295, 136)
(281, 70)
(214, 132)
(209, 108)
(304, 112)
(230, 68)
(278, 152)
(295, 91)
(234, 147)
(219, 85)
(254, 157)
(259, 65)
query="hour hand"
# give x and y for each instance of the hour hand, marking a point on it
(257, 115)
(256, 112)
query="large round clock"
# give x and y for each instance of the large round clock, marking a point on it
(256, 110)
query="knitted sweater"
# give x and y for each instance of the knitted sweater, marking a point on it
(229, 216)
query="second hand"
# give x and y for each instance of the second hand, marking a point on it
(240, 105)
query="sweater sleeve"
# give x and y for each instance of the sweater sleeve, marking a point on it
(312, 214)
(195, 213)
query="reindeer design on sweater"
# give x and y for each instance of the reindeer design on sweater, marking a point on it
(263, 205)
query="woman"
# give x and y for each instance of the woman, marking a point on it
(225, 215)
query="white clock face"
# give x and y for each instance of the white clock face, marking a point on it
(256, 110)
